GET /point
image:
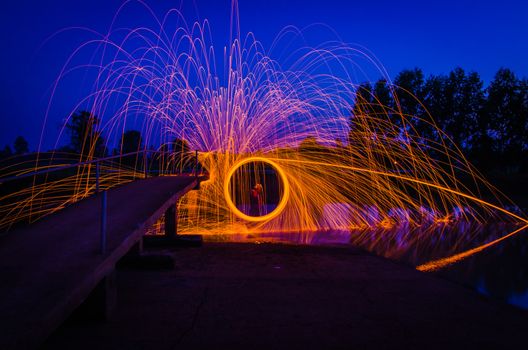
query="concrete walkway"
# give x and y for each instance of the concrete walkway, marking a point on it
(275, 296)
(49, 268)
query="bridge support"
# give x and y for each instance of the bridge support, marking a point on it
(137, 249)
(136, 258)
(171, 222)
(170, 235)
(105, 296)
(100, 303)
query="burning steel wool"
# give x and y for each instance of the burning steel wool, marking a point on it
(336, 161)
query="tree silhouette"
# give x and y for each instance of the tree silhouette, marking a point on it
(383, 100)
(505, 116)
(21, 145)
(455, 101)
(182, 156)
(6, 152)
(489, 125)
(361, 111)
(84, 138)
(180, 146)
(410, 89)
(131, 141)
(410, 84)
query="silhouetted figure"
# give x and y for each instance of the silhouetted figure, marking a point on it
(255, 201)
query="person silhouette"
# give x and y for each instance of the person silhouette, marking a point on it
(255, 201)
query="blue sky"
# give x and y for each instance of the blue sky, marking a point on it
(436, 36)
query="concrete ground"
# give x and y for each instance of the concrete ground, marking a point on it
(276, 296)
(47, 269)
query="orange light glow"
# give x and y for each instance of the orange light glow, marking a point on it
(344, 161)
(282, 203)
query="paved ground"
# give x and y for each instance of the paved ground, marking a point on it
(275, 296)
(48, 268)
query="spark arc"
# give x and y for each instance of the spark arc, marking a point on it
(283, 200)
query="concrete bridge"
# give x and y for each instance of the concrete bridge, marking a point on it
(50, 268)
(229, 295)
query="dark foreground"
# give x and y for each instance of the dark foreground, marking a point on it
(49, 268)
(248, 296)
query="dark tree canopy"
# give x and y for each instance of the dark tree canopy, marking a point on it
(455, 102)
(410, 85)
(6, 152)
(21, 145)
(84, 137)
(180, 146)
(131, 141)
(489, 124)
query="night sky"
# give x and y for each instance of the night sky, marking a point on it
(433, 35)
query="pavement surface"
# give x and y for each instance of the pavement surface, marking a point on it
(49, 268)
(279, 296)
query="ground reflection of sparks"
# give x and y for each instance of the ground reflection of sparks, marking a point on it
(450, 260)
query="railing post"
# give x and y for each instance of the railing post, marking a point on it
(97, 178)
(145, 163)
(196, 163)
(103, 223)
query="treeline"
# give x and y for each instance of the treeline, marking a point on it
(86, 141)
(489, 124)
(20, 146)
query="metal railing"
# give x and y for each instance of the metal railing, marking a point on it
(97, 162)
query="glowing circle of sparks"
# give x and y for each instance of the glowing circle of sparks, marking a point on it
(280, 206)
